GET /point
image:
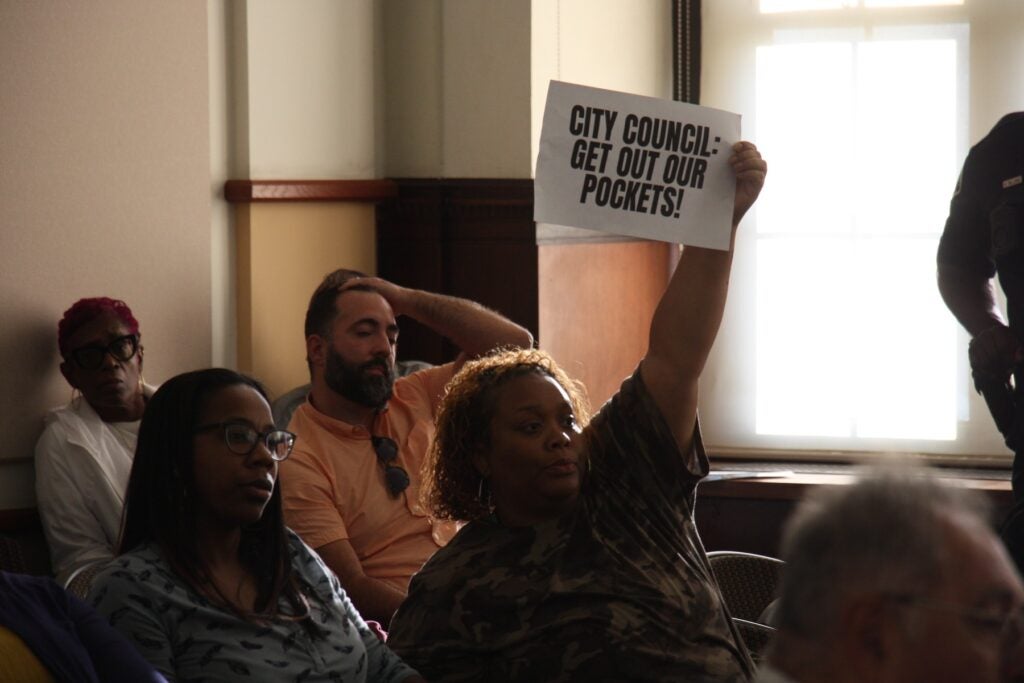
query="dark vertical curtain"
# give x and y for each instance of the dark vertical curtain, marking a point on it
(686, 50)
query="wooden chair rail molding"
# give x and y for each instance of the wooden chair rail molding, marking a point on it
(244, 191)
(749, 514)
(794, 486)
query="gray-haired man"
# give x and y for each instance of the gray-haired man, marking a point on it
(897, 577)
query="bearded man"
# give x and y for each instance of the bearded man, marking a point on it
(351, 485)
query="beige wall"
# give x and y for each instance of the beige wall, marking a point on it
(304, 106)
(311, 106)
(121, 120)
(465, 81)
(412, 71)
(433, 88)
(486, 89)
(223, 49)
(601, 43)
(456, 88)
(104, 190)
(284, 251)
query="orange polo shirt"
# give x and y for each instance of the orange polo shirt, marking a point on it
(333, 487)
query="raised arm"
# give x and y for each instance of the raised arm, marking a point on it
(475, 329)
(690, 311)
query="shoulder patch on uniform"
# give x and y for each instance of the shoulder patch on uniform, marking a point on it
(1010, 182)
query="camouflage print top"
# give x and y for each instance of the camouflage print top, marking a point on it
(617, 590)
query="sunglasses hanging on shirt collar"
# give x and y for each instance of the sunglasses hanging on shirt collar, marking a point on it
(387, 453)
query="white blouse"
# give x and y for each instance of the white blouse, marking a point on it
(82, 468)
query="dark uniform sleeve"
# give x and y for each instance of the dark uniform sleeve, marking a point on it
(966, 239)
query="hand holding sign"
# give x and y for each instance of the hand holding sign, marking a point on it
(636, 165)
(750, 170)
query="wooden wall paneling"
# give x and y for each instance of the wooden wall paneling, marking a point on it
(409, 252)
(749, 515)
(463, 237)
(491, 242)
(587, 297)
(598, 300)
(744, 524)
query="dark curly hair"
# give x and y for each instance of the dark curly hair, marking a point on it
(451, 483)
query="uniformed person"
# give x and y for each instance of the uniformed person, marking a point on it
(983, 237)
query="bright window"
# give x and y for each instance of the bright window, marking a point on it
(836, 338)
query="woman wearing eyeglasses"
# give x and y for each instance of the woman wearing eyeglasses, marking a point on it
(210, 584)
(85, 452)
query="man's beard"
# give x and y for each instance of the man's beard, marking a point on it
(354, 383)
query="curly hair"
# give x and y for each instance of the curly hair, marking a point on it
(451, 483)
(85, 311)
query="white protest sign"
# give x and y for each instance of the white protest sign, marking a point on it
(635, 165)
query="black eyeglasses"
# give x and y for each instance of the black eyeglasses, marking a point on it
(241, 438)
(91, 357)
(387, 453)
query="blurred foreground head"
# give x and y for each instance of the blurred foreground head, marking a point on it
(897, 577)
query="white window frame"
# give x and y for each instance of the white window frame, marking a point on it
(991, 40)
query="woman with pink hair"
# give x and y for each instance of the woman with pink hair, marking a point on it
(84, 455)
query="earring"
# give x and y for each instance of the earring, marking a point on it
(484, 493)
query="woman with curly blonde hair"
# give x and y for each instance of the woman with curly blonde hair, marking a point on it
(580, 559)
